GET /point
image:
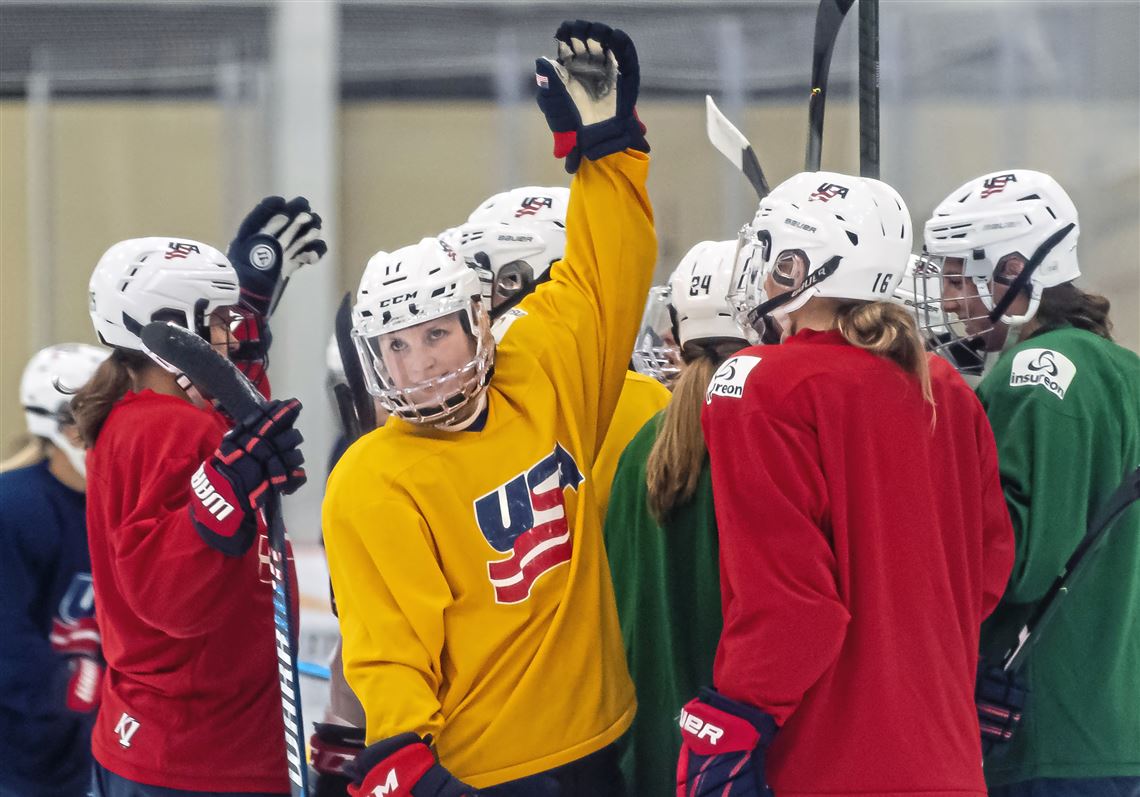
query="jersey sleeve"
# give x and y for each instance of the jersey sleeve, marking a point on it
(997, 531)
(581, 325)
(165, 573)
(1039, 446)
(784, 622)
(33, 678)
(391, 595)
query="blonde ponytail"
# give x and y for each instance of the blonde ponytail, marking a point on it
(889, 331)
(678, 454)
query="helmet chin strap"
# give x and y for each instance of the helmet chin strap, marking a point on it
(1022, 279)
(459, 426)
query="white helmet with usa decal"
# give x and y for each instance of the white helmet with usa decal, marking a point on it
(821, 234)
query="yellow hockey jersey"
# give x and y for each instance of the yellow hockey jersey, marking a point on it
(641, 399)
(474, 593)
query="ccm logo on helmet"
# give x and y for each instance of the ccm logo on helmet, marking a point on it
(396, 299)
(700, 728)
(214, 503)
(997, 184)
(828, 191)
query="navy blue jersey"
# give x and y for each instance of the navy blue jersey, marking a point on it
(45, 571)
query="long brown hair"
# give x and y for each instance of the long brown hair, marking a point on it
(888, 330)
(674, 464)
(92, 403)
(1068, 304)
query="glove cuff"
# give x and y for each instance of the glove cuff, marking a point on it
(334, 747)
(615, 134)
(713, 724)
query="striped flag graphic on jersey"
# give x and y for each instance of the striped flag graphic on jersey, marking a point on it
(526, 517)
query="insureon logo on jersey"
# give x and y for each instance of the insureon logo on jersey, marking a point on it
(729, 379)
(527, 518)
(1045, 367)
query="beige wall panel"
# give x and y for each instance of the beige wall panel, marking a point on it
(14, 310)
(121, 170)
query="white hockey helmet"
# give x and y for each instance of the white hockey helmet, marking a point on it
(402, 290)
(699, 289)
(49, 379)
(141, 280)
(511, 240)
(821, 234)
(997, 216)
(656, 353)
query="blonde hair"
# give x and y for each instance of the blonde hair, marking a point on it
(888, 330)
(31, 452)
(678, 454)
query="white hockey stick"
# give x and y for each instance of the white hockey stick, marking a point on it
(731, 143)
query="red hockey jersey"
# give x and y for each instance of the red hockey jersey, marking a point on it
(862, 542)
(191, 699)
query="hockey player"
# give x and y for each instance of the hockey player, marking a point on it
(856, 567)
(50, 658)
(464, 537)
(660, 529)
(190, 703)
(512, 240)
(1064, 403)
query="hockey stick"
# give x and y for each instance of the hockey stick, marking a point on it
(828, 21)
(731, 143)
(217, 376)
(1030, 633)
(353, 372)
(869, 88)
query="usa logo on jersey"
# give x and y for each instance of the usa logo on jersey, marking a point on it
(526, 517)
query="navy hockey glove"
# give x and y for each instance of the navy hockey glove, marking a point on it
(1000, 697)
(403, 766)
(589, 94)
(79, 641)
(723, 744)
(274, 240)
(333, 748)
(228, 490)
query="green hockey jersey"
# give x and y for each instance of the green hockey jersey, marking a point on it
(667, 586)
(1065, 410)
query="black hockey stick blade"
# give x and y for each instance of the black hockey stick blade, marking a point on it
(828, 21)
(346, 409)
(731, 143)
(869, 88)
(193, 356)
(1030, 634)
(353, 371)
(217, 376)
